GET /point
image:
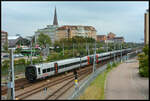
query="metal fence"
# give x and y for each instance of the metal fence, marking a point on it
(91, 77)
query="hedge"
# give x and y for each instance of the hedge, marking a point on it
(144, 62)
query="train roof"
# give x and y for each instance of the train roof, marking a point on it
(68, 60)
(51, 64)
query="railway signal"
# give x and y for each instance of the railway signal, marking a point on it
(76, 79)
(75, 74)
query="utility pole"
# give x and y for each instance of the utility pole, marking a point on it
(11, 83)
(114, 50)
(88, 49)
(76, 80)
(107, 46)
(63, 49)
(94, 62)
(31, 52)
(73, 49)
(121, 52)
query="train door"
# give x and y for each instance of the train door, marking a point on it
(91, 60)
(56, 68)
(88, 58)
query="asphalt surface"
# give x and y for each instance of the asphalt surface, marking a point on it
(125, 83)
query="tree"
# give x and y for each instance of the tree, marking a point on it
(5, 46)
(43, 40)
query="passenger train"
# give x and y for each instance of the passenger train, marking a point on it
(40, 71)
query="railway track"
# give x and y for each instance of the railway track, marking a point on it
(23, 83)
(60, 91)
(53, 83)
(18, 85)
(48, 85)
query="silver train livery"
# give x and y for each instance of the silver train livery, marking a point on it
(40, 71)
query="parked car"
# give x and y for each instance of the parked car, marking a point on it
(18, 55)
(6, 56)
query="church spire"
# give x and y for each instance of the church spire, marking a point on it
(55, 22)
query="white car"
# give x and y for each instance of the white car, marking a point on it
(18, 55)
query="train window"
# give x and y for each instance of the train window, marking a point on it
(61, 66)
(51, 69)
(39, 71)
(64, 66)
(44, 70)
(84, 61)
(48, 70)
(67, 65)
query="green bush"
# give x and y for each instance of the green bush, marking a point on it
(108, 66)
(5, 63)
(52, 57)
(143, 62)
(146, 49)
(28, 62)
(114, 64)
(21, 61)
(100, 50)
(35, 61)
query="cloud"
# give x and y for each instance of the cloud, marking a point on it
(123, 18)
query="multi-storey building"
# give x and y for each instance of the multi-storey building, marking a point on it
(101, 38)
(146, 27)
(57, 32)
(115, 40)
(118, 39)
(4, 39)
(69, 31)
(111, 35)
(110, 38)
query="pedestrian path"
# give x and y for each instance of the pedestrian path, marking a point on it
(124, 82)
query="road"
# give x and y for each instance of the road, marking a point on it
(124, 82)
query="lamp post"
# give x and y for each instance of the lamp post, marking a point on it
(94, 64)
(73, 49)
(63, 49)
(31, 51)
(114, 50)
(121, 52)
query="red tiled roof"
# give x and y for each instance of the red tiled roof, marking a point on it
(75, 27)
(3, 32)
(101, 35)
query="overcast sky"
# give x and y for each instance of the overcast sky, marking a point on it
(122, 18)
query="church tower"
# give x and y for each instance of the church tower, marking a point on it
(55, 22)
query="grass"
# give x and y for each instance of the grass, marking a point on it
(18, 69)
(95, 91)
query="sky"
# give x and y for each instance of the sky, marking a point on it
(122, 18)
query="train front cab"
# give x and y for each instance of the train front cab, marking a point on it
(30, 73)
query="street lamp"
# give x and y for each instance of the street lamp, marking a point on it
(31, 51)
(94, 64)
(114, 50)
